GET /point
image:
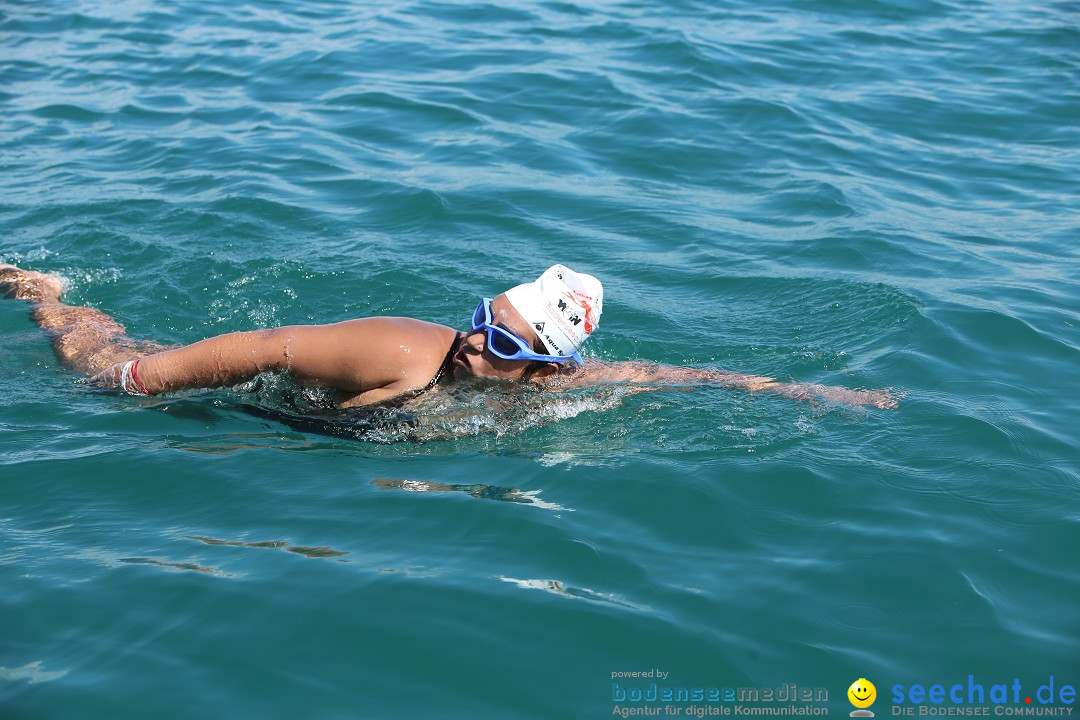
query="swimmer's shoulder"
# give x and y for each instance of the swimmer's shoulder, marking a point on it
(404, 353)
(403, 326)
(398, 340)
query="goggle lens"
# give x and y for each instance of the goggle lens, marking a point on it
(500, 343)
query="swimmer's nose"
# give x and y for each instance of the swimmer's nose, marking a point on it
(475, 341)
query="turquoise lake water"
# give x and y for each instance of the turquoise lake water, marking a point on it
(852, 192)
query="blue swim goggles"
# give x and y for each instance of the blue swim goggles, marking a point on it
(508, 346)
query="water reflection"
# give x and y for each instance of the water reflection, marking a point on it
(476, 490)
(307, 551)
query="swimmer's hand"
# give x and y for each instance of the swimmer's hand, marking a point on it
(876, 398)
(123, 375)
(109, 378)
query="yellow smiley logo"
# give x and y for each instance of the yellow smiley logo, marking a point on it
(862, 693)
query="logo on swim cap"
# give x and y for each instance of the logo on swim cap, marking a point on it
(562, 305)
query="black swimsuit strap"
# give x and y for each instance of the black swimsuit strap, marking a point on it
(447, 361)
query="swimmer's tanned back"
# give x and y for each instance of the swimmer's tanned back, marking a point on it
(529, 334)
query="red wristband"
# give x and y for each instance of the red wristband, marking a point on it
(135, 377)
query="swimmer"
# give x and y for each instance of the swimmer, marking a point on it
(531, 333)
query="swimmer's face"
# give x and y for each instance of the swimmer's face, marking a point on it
(862, 693)
(476, 360)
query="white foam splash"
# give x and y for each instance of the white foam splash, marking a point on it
(32, 672)
(557, 587)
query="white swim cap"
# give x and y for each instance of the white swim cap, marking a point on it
(562, 306)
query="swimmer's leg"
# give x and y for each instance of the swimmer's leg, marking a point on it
(84, 339)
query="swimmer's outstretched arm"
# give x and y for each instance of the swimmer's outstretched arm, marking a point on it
(651, 376)
(229, 359)
(352, 356)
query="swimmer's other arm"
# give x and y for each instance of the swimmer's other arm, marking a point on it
(351, 356)
(651, 376)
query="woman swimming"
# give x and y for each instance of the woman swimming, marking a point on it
(529, 334)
